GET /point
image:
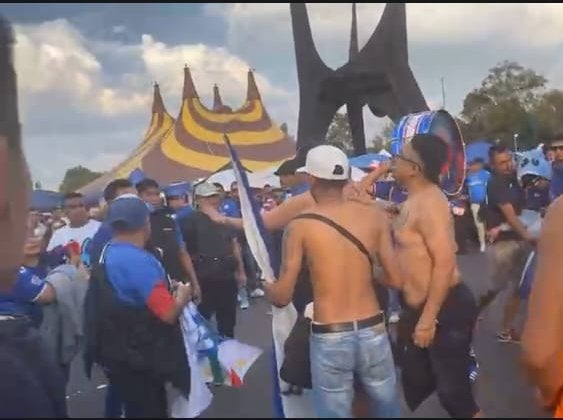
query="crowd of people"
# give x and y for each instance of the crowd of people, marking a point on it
(110, 288)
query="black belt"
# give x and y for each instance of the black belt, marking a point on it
(348, 326)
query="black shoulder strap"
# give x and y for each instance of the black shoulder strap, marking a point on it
(343, 231)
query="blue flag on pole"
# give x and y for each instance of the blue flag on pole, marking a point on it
(283, 319)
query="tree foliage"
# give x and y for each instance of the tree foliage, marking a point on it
(76, 178)
(512, 100)
(383, 139)
(339, 133)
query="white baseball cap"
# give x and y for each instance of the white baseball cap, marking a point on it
(205, 189)
(327, 162)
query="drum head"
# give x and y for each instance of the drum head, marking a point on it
(443, 125)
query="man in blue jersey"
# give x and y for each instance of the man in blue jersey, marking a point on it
(476, 183)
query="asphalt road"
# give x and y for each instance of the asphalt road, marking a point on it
(501, 388)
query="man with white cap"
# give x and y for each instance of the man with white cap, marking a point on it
(217, 259)
(339, 239)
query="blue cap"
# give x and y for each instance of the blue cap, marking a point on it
(136, 176)
(129, 211)
(178, 189)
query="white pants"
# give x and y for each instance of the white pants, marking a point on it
(480, 225)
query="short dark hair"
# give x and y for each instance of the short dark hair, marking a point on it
(478, 160)
(433, 152)
(497, 149)
(146, 184)
(111, 189)
(71, 195)
(554, 137)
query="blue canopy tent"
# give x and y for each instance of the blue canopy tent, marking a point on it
(478, 150)
(366, 161)
(44, 200)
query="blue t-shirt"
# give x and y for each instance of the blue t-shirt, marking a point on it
(184, 212)
(19, 301)
(476, 183)
(134, 273)
(230, 208)
(397, 194)
(299, 189)
(383, 189)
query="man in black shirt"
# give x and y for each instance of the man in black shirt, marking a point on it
(511, 242)
(166, 237)
(217, 258)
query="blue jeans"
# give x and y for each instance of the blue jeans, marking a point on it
(337, 359)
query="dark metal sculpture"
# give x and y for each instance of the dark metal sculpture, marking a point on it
(378, 75)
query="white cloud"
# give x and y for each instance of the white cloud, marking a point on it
(119, 29)
(53, 58)
(208, 66)
(537, 24)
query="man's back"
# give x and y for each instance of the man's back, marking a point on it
(341, 274)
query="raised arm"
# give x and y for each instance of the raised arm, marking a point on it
(542, 340)
(280, 292)
(275, 219)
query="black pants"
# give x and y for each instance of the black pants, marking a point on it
(444, 366)
(144, 396)
(219, 297)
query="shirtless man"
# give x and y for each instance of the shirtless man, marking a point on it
(542, 343)
(439, 310)
(348, 335)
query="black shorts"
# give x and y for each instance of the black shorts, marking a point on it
(444, 366)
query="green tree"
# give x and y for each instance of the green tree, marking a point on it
(383, 138)
(76, 178)
(504, 105)
(339, 133)
(549, 113)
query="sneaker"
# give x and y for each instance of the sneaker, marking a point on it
(394, 318)
(473, 366)
(474, 371)
(256, 293)
(243, 296)
(483, 248)
(508, 337)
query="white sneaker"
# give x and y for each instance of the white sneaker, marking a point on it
(483, 248)
(243, 298)
(394, 318)
(256, 293)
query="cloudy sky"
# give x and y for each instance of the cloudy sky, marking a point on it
(85, 71)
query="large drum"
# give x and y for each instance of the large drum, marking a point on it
(443, 125)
